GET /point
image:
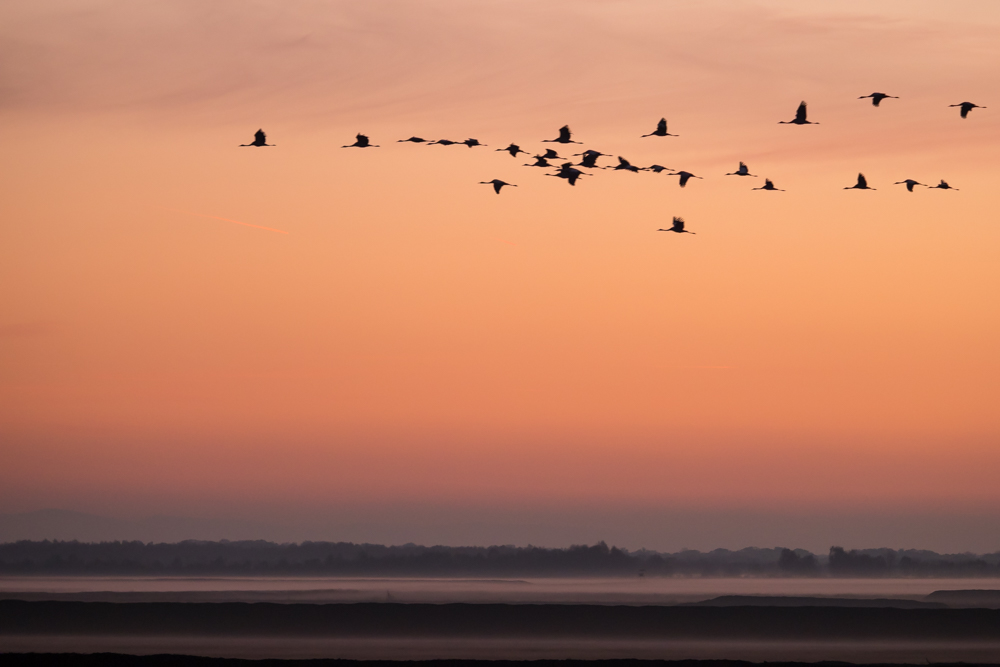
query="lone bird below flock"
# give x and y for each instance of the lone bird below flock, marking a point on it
(942, 186)
(877, 98)
(564, 136)
(661, 130)
(862, 184)
(259, 139)
(965, 108)
(678, 227)
(768, 185)
(360, 141)
(497, 184)
(685, 177)
(800, 117)
(909, 183)
(742, 171)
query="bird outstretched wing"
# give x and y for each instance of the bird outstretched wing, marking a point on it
(564, 133)
(679, 224)
(862, 181)
(259, 137)
(661, 127)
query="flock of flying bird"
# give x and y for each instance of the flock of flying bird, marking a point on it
(588, 159)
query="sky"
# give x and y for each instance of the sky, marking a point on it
(370, 345)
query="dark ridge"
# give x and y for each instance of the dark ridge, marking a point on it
(802, 601)
(494, 621)
(969, 598)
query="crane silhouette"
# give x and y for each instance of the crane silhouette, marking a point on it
(412, 140)
(909, 183)
(551, 154)
(942, 186)
(625, 165)
(361, 141)
(564, 136)
(259, 140)
(443, 142)
(742, 171)
(568, 172)
(540, 161)
(513, 149)
(965, 108)
(862, 184)
(657, 168)
(800, 117)
(661, 130)
(472, 142)
(590, 158)
(877, 98)
(497, 184)
(678, 226)
(685, 177)
(768, 185)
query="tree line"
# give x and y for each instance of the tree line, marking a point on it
(261, 558)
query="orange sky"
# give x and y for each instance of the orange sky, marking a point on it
(416, 340)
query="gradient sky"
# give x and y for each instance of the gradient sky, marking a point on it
(419, 359)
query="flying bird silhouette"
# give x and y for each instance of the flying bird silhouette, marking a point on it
(568, 172)
(768, 185)
(414, 140)
(661, 130)
(742, 171)
(540, 161)
(259, 139)
(361, 141)
(625, 165)
(657, 168)
(678, 227)
(877, 98)
(513, 149)
(472, 142)
(444, 142)
(551, 154)
(497, 184)
(685, 177)
(862, 184)
(590, 158)
(942, 186)
(909, 183)
(564, 136)
(800, 117)
(965, 108)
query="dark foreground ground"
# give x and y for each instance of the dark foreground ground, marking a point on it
(166, 660)
(498, 620)
(496, 632)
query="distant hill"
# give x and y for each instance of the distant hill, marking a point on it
(261, 558)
